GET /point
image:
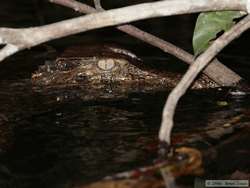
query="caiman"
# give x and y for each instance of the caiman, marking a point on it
(107, 71)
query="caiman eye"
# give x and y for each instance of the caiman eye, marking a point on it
(106, 64)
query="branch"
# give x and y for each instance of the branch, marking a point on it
(37, 35)
(215, 71)
(199, 64)
(98, 5)
(12, 40)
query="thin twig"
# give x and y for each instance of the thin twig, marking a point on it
(215, 71)
(7, 51)
(98, 5)
(193, 71)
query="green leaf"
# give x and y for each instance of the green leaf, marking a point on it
(209, 24)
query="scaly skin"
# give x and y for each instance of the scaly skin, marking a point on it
(116, 68)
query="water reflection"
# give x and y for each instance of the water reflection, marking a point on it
(60, 144)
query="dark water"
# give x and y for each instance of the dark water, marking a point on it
(59, 143)
(76, 142)
(65, 143)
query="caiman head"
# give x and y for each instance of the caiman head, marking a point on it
(99, 65)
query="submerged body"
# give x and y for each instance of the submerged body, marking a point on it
(107, 69)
